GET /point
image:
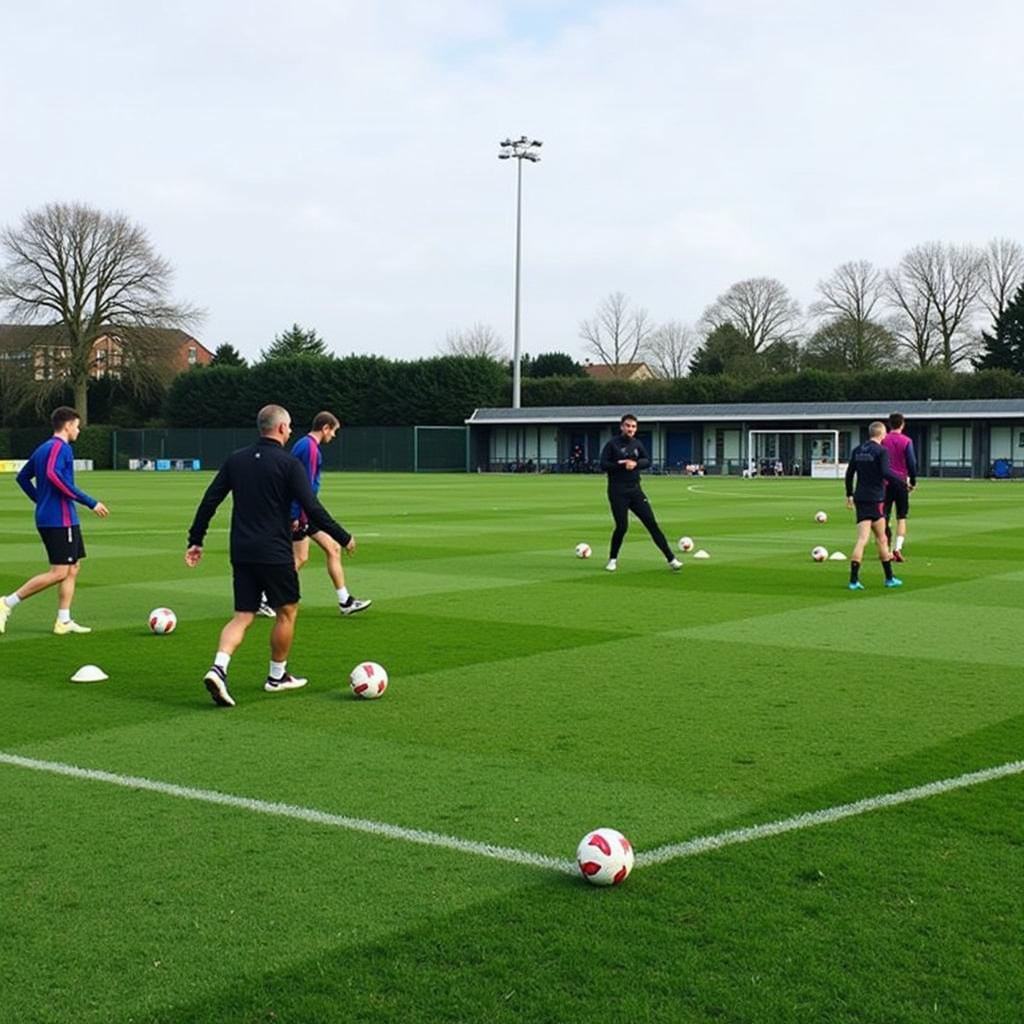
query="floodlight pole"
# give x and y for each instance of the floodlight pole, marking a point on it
(519, 149)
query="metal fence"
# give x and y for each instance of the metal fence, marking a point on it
(389, 449)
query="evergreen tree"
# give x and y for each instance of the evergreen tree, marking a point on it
(727, 351)
(1004, 350)
(227, 355)
(296, 341)
(553, 364)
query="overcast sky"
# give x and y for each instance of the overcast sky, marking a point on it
(335, 164)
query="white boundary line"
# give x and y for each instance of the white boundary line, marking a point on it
(209, 796)
(659, 855)
(810, 819)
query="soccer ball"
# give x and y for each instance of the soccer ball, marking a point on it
(583, 551)
(685, 543)
(162, 620)
(819, 554)
(368, 680)
(605, 857)
(820, 517)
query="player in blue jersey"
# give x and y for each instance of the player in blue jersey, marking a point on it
(307, 451)
(48, 478)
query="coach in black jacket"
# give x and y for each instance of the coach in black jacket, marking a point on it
(622, 459)
(263, 480)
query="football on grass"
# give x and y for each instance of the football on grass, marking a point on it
(820, 517)
(162, 620)
(685, 543)
(819, 554)
(582, 550)
(368, 680)
(605, 857)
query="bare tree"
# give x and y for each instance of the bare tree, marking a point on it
(760, 308)
(912, 322)
(944, 281)
(1004, 274)
(89, 274)
(480, 340)
(617, 334)
(670, 349)
(853, 293)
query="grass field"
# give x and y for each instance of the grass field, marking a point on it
(533, 697)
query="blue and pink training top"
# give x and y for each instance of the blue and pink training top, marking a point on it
(52, 466)
(307, 451)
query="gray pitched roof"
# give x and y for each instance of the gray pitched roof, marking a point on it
(988, 408)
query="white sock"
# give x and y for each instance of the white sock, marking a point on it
(343, 595)
(277, 669)
(63, 614)
(12, 600)
(899, 542)
(222, 661)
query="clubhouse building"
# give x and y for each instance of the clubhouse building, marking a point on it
(965, 439)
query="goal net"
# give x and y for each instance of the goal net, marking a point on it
(793, 453)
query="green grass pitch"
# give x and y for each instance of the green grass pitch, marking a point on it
(533, 697)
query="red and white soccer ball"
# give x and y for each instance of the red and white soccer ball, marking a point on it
(819, 554)
(685, 543)
(605, 857)
(162, 620)
(368, 680)
(821, 517)
(583, 551)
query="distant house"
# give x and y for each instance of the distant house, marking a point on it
(619, 371)
(44, 350)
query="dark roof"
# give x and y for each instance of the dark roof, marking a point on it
(988, 408)
(19, 337)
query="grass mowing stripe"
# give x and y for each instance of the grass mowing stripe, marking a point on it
(307, 814)
(660, 855)
(810, 819)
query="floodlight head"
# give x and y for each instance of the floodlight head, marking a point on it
(507, 142)
(536, 142)
(504, 156)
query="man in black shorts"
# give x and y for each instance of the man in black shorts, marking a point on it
(869, 463)
(263, 480)
(622, 459)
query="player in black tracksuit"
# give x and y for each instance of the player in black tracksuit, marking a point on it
(869, 463)
(622, 459)
(263, 480)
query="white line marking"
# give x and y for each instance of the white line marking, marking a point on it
(660, 855)
(208, 796)
(703, 844)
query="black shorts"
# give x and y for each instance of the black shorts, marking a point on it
(63, 544)
(898, 497)
(253, 579)
(869, 510)
(301, 532)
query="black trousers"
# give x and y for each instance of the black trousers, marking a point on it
(636, 502)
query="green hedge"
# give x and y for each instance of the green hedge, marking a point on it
(93, 443)
(361, 390)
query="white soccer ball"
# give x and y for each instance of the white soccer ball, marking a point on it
(583, 551)
(819, 554)
(605, 857)
(162, 620)
(685, 543)
(821, 517)
(368, 680)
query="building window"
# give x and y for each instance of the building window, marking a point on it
(193, 353)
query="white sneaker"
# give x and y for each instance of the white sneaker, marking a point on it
(216, 681)
(286, 682)
(353, 605)
(675, 565)
(4, 612)
(266, 611)
(64, 628)
(612, 565)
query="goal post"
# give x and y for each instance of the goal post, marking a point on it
(811, 452)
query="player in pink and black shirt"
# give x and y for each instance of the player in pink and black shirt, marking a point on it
(903, 462)
(48, 478)
(307, 450)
